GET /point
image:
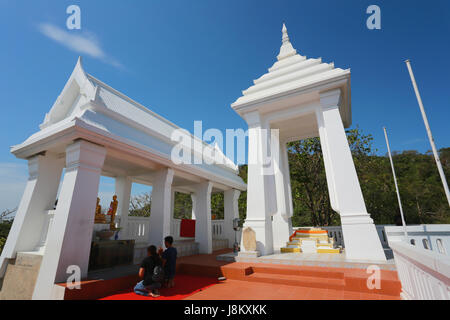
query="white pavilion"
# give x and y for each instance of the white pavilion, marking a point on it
(94, 130)
(302, 98)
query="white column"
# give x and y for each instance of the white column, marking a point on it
(161, 207)
(69, 238)
(231, 211)
(261, 200)
(173, 232)
(31, 216)
(123, 193)
(360, 235)
(282, 224)
(203, 231)
(172, 205)
(194, 203)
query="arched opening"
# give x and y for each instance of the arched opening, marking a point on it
(140, 200)
(440, 246)
(426, 244)
(182, 205)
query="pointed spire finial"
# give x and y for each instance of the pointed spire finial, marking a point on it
(286, 49)
(285, 37)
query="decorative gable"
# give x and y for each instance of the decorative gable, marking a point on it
(77, 92)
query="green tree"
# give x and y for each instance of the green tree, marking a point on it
(5, 225)
(140, 205)
(182, 206)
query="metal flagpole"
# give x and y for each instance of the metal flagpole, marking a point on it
(396, 186)
(430, 136)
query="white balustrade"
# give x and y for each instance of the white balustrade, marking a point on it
(217, 228)
(336, 233)
(137, 228)
(175, 228)
(434, 237)
(424, 274)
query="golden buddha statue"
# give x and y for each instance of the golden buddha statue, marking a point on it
(112, 212)
(99, 216)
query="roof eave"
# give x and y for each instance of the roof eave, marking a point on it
(341, 81)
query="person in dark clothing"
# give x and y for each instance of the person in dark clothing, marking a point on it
(148, 285)
(169, 257)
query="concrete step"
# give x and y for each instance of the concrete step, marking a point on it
(350, 279)
(300, 281)
(297, 271)
(290, 250)
(329, 245)
(328, 250)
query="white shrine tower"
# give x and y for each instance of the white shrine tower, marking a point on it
(302, 98)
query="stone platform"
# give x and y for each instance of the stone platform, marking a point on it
(350, 279)
(312, 259)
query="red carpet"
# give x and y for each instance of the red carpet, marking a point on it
(185, 286)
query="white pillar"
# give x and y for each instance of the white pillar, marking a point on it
(203, 231)
(69, 238)
(261, 200)
(231, 211)
(172, 205)
(194, 203)
(123, 193)
(161, 207)
(31, 216)
(282, 224)
(173, 232)
(359, 232)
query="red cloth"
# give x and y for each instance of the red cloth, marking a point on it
(185, 286)
(187, 228)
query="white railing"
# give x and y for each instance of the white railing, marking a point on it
(175, 228)
(424, 274)
(336, 233)
(434, 237)
(217, 229)
(137, 228)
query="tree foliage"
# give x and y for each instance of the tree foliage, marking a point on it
(420, 186)
(5, 225)
(140, 205)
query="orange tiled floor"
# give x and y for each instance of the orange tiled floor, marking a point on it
(244, 290)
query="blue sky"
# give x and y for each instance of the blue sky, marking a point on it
(189, 60)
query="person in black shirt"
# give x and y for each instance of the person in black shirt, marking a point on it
(148, 285)
(169, 257)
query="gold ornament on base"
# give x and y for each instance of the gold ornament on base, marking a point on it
(112, 212)
(99, 216)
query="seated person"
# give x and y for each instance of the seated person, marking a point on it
(169, 257)
(148, 285)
